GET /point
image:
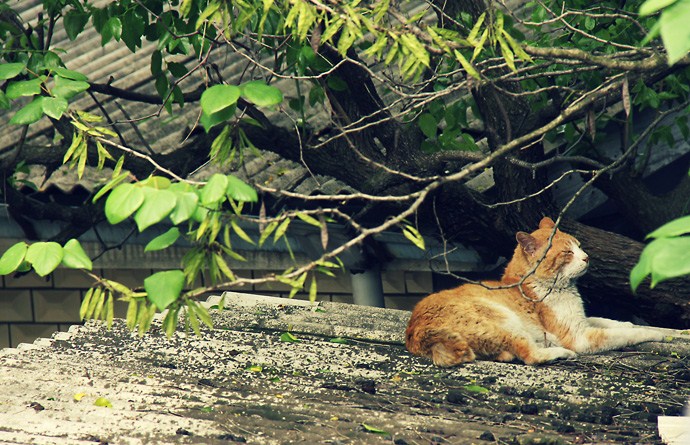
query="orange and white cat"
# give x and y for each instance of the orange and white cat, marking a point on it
(539, 321)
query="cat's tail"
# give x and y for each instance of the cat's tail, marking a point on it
(444, 347)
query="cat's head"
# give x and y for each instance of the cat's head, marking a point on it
(564, 260)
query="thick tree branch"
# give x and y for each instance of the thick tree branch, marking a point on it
(616, 62)
(134, 96)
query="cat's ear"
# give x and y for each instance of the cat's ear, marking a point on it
(546, 223)
(527, 242)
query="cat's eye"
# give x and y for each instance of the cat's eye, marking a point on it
(568, 252)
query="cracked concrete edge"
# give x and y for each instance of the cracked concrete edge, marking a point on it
(325, 319)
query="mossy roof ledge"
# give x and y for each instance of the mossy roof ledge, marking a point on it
(346, 378)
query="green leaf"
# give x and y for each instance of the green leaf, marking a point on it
(164, 240)
(428, 124)
(145, 318)
(287, 337)
(21, 88)
(132, 310)
(260, 94)
(117, 287)
(109, 313)
(652, 6)
(200, 312)
(209, 121)
(10, 70)
(185, 206)
(93, 297)
(75, 257)
(210, 10)
(240, 191)
(51, 60)
(156, 63)
(467, 66)
(200, 214)
(45, 257)
(308, 219)
(13, 258)
(111, 29)
(89, 117)
(177, 69)
(313, 290)
(68, 88)
(480, 45)
(85, 303)
(164, 288)
(223, 267)
(124, 200)
(98, 306)
(474, 32)
(515, 46)
(30, 113)
(412, 234)
(156, 206)
(640, 271)
(675, 32)
(54, 106)
(103, 402)
(170, 322)
(133, 28)
(69, 74)
(676, 227)
(672, 260)
(645, 265)
(507, 53)
(339, 340)
(218, 98)
(374, 430)
(282, 228)
(156, 182)
(4, 101)
(214, 190)
(74, 22)
(110, 185)
(267, 232)
(240, 232)
(416, 47)
(76, 147)
(476, 389)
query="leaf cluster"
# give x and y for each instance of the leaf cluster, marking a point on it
(48, 85)
(44, 257)
(667, 256)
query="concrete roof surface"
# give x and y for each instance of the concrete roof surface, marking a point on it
(241, 382)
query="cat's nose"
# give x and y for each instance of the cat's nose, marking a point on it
(586, 259)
